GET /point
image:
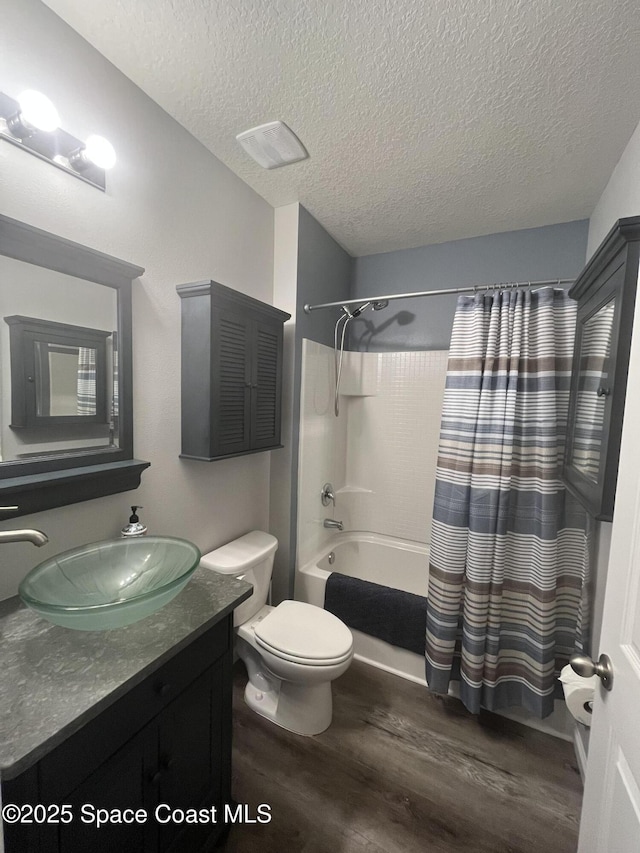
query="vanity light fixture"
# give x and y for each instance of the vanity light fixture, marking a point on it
(35, 112)
(97, 151)
(31, 122)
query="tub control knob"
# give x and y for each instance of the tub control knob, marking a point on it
(327, 495)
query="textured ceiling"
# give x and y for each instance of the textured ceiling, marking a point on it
(426, 120)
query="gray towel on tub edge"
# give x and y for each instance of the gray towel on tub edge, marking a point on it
(392, 615)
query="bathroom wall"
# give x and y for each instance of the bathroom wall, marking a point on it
(380, 453)
(551, 252)
(325, 274)
(621, 196)
(171, 207)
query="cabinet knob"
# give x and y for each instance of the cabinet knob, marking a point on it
(155, 777)
(163, 689)
(603, 392)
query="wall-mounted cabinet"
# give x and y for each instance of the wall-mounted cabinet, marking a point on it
(606, 294)
(58, 374)
(231, 372)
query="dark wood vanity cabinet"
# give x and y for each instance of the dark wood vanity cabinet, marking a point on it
(231, 372)
(606, 294)
(166, 741)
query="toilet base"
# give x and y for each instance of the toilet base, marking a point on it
(302, 709)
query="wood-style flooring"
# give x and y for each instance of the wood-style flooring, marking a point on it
(402, 770)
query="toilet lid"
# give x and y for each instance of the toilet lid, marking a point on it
(305, 632)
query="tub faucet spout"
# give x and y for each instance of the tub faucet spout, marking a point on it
(331, 524)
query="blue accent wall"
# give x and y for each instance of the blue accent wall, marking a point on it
(325, 274)
(550, 252)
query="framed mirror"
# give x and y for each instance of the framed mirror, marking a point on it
(66, 419)
(606, 293)
(593, 387)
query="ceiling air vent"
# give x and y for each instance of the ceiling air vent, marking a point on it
(272, 145)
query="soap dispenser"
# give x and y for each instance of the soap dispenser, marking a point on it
(135, 527)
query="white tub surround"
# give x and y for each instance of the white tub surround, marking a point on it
(380, 454)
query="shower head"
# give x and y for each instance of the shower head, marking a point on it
(360, 309)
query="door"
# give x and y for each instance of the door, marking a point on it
(231, 381)
(190, 743)
(611, 808)
(266, 384)
(122, 783)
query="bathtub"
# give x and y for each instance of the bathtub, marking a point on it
(380, 559)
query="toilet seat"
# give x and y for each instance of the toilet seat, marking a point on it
(304, 661)
(306, 634)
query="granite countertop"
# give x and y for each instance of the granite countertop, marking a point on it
(53, 680)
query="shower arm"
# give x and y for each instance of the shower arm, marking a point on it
(376, 300)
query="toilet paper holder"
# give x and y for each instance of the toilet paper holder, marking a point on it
(583, 665)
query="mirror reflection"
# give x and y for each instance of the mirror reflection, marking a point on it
(593, 390)
(65, 380)
(58, 355)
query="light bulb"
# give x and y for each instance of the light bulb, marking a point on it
(37, 111)
(100, 152)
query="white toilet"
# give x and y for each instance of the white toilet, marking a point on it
(293, 651)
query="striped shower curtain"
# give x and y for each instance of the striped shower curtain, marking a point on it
(508, 557)
(86, 381)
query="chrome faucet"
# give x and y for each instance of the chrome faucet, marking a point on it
(331, 524)
(36, 537)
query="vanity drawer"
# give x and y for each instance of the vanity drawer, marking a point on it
(63, 769)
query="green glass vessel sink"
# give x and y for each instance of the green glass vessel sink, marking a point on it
(110, 584)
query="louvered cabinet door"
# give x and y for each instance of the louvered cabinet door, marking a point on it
(266, 382)
(231, 382)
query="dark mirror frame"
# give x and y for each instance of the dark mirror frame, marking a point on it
(610, 275)
(52, 480)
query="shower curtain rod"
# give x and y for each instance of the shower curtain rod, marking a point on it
(475, 289)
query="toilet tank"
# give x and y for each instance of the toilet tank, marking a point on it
(249, 558)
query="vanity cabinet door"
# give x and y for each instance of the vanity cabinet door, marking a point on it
(125, 781)
(190, 739)
(122, 782)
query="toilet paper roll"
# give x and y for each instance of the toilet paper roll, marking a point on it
(579, 698)
(568, 676)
